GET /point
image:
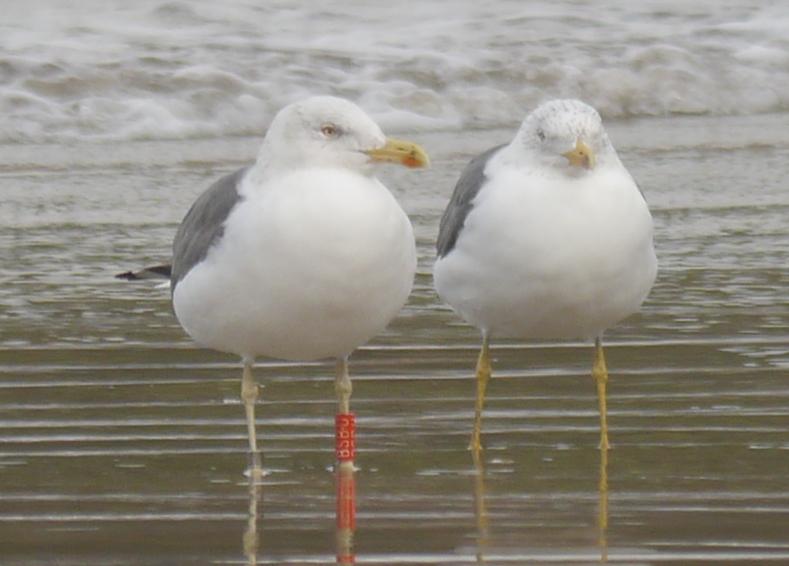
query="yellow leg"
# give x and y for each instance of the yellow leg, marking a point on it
(249, 395)
(342, 386)
(483, 375)
(600, 374)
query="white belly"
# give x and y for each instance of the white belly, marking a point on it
(310, 268)
(564, 262)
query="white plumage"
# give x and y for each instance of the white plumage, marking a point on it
(312, 264)
(548, 236)
(305, 255)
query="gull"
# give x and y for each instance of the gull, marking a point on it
(304, 255)
(547, 237)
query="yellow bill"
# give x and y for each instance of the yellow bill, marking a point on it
(581, 155)
(402, 152)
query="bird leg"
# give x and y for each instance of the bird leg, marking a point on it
(600, 374)
(483, 375)
(249, 395)
(344, 421)
(342, 386)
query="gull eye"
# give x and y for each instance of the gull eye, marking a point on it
(330, 130)
(541, 135)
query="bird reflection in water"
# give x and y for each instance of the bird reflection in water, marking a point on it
(481, 510)
(346, 513)
(251, 539)
(602, 506)
(480, 507)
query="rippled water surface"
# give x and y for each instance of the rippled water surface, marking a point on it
(123, 443)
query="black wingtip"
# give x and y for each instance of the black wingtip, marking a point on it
(162, 271)
(127, 275)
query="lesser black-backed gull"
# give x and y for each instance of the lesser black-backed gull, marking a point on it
(302, 256)
(547, 237)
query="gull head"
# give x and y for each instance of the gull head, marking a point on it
(326, 131)
(567, 135)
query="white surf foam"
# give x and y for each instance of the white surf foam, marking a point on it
(173, 69)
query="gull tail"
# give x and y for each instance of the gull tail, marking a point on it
(152, 272)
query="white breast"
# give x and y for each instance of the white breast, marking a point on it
(309, 267)
(561, 259)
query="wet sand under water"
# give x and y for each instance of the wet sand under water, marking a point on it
(123, 443)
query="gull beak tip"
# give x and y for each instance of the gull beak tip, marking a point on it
(402, 152)
(581, 155)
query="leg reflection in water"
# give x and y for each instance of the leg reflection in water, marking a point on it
(346, 513)
(480, 508)
(602, 506)
(251, 538)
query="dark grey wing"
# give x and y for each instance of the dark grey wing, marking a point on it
(640, 190)
(204, 224)
(460, 204)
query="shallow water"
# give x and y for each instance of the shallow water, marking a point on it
(123, 443)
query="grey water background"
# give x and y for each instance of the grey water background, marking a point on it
(121, 442)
